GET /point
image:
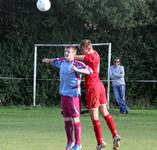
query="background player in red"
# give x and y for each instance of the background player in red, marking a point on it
(96, 95)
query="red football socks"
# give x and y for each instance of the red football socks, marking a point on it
(111, 125)
(98, 131)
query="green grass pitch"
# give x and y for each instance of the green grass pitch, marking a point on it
(42, 129)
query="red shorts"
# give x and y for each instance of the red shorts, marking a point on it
(95, 95)
(70, 106)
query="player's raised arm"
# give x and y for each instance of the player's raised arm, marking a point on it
(47, 60)
(54, 61)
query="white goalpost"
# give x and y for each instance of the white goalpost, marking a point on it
(65, 45)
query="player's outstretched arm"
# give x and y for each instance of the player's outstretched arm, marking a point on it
(47, 60)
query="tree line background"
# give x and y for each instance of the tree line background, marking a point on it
(131, 27)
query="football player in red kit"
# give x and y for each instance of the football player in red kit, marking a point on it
(96, 96)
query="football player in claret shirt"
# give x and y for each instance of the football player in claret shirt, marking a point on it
(70, 79)
(96, 95)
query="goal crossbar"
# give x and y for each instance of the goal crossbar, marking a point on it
(65, 45)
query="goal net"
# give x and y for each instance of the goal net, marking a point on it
(45, 50)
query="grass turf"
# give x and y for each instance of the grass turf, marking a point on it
(42, 129)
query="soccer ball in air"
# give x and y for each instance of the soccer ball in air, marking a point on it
(43, 5)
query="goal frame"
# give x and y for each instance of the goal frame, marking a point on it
(65, 45)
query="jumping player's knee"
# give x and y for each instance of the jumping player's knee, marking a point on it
(103, 110)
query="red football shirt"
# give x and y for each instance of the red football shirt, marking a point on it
(93, 61)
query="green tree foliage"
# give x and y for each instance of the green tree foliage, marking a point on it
(131, 27)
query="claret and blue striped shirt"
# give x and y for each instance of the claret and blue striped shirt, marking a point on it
(69, 80)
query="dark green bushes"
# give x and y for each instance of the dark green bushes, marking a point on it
(131, 27)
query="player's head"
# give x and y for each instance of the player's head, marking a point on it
(117, 61)
(69, 53)
(86, 46)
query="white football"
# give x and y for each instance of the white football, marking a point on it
(43, 5)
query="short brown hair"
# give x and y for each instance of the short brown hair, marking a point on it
(85, 43)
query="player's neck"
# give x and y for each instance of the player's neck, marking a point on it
(91, 51)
